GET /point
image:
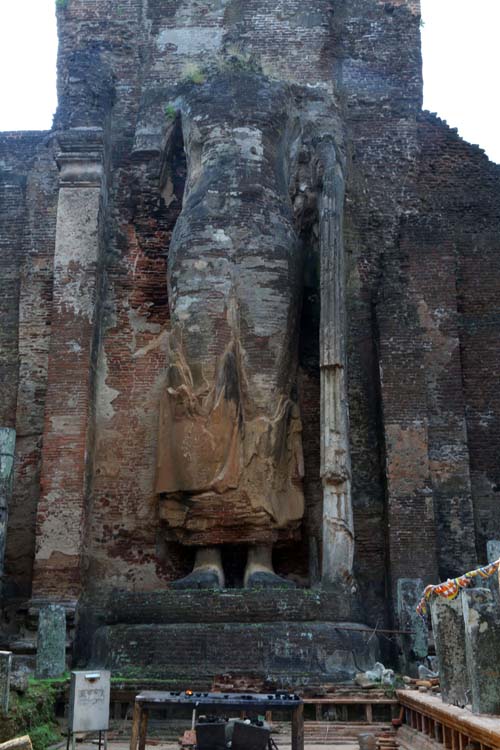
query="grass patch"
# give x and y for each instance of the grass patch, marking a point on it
(33, 713)
(194, 73)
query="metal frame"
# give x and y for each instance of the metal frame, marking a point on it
(151, 699)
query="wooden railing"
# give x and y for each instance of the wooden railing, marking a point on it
(366, 700)
(452, 727)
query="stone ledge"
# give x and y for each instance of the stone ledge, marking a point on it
(292, 653)
(231, 605)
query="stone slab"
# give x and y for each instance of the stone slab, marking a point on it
(7, 450)
(482, 647)
(493, 550)
(415, 647)
(449, 636)
(492, 555)
(51, 646)
(230, 605)
(5, 670)
(292, 653)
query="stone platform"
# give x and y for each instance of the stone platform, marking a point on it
(290, 636)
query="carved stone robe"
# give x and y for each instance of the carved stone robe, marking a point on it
(230, 461)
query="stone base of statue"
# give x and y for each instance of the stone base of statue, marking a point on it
(294, 636)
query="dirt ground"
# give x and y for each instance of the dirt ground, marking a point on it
(156, 745)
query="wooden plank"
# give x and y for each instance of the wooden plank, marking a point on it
(298, 728)
(134, 737)
(438, 732)
(349, 699)
(369, 713)
(143, 728)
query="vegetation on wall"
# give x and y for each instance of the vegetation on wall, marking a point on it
(33, 712)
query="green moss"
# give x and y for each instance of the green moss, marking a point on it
(170, 112)
(33, 713)
(194, 74)
(62, 3)
(236, 60)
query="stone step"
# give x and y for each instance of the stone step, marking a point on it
(292, 653)
(114, 607)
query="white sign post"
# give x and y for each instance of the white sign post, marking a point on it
(89, 703)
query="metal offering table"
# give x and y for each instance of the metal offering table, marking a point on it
(151, 699)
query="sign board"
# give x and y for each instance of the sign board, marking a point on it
(89, 701)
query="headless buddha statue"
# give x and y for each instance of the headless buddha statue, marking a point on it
(230, 461)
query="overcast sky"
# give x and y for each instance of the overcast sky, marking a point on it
(461, 66)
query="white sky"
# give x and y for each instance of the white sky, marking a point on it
(461, 52)
(461, 66)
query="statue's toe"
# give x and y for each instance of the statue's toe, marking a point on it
(267, 580)
(199, 579)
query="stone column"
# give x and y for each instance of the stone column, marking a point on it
(51, 642)
(7, 448)
(492, 555)
(449, 636)
(338, 530)
(5, 667)
(482, 649)
(415, 646)
(493, 550)
(67, 440)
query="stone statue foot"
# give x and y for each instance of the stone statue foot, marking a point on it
(259, 571)
(261, 579)
(207, 571)
(203, 578)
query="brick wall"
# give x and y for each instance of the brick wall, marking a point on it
(27, 229)
(460, 189)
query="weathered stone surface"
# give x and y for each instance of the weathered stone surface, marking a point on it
(67, 441)
(231, 605)
(493, 550)
(51, 642)
(338, 528)
(230, 451)
(449, 636)
(482, 648)
(5, 669)
(7, 449)
(492, 555)
(415, 646)
(293, 652)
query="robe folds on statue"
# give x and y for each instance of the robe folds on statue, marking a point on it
(227, 476)
(230, 461)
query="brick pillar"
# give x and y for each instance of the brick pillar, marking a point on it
(432, 272)
(67, 440)
(410, 503)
